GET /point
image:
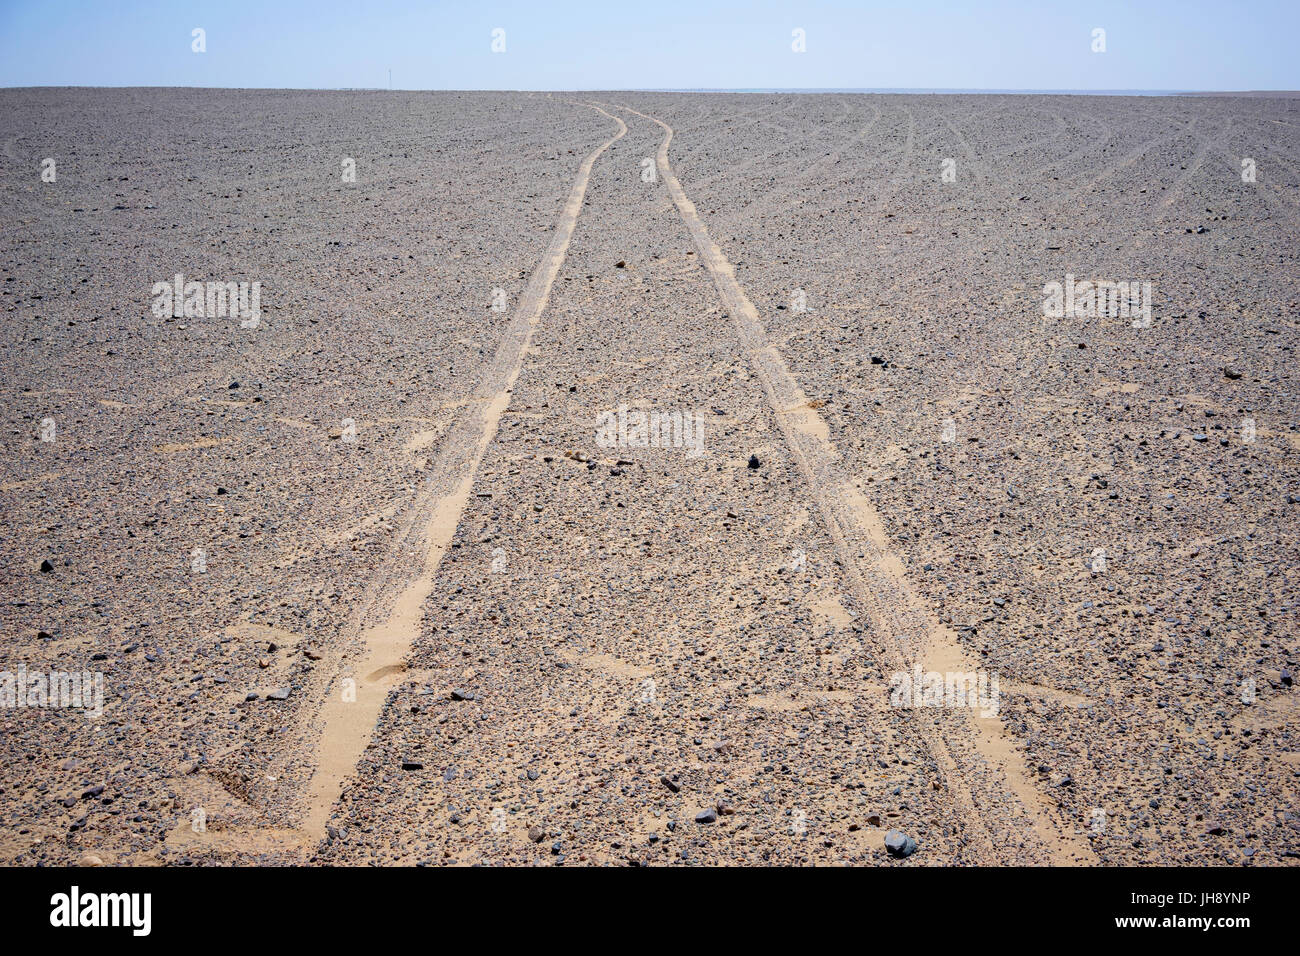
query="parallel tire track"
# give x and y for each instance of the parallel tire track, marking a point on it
(389, 620)
(875, 575)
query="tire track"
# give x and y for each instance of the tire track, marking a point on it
(390, 619)
(772, 196)
(905, 632)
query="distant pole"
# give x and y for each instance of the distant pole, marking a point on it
(390, 78)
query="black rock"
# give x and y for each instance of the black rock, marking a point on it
(899, 844)
(46, 567)
(412, 765)
(458, 694)
(753, 461)
(670, 783)
(707, 816)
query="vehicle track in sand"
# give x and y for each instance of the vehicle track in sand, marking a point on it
(905, 632)
(390, 619)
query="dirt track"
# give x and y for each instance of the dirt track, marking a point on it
(920, 468)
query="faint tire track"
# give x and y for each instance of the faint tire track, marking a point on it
(389, 619)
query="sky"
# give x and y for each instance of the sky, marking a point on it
(652, 44)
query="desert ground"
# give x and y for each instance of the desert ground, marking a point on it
(371, 580)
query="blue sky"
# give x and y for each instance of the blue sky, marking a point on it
(626, 44)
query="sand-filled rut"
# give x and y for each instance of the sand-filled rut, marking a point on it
(387, 630)
(904, 631)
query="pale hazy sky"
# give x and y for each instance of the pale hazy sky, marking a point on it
(622, 44)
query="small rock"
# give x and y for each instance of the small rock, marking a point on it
(1231, 372)
(707, 816)
(753, 461)
(899, 844)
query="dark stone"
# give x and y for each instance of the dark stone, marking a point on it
(899, 844)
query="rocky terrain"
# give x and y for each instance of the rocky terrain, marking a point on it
(369, 582)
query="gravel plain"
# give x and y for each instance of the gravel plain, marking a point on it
(572, 652)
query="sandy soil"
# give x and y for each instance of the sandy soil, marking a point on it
(434, 617)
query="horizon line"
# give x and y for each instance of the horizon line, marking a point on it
(687, 89)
